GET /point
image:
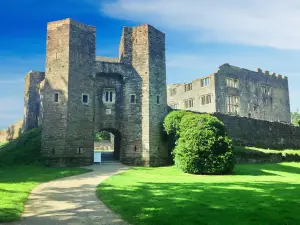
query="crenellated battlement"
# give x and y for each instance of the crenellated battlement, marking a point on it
(259, 71)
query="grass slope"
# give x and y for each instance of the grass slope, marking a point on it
(20, 173)
(256, 194)
(24, 150)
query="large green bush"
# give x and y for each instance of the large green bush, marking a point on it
(23, 150)
(202, 146)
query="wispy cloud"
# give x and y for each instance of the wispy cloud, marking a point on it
(272, 23)
(11, 81)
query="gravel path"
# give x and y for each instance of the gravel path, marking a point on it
(71, 200)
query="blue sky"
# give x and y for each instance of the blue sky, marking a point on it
(201, 35)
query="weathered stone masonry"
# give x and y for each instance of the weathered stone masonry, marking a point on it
(83, 94)
(234, 90)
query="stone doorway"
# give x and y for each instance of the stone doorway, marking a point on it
(108, 142)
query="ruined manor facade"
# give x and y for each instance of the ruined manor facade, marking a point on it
(236, 91)
(80, 94)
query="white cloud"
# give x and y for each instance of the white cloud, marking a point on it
(272, 23)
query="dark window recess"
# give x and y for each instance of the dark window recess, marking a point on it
(132, 98)
(110, 96)
(85, 99)
(157, 99)
(106, 96)
(79, 150)
(55, 97)
(53, 151)
(135, 148)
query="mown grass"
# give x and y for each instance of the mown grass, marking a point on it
(16, 183)
(255, 194)
(2, 143)
(282, 152)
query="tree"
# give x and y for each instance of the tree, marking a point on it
(295, 118)
(102, 135)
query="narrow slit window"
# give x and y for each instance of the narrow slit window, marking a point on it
(157, 99)
(106, 96)
(132, 99)
(56, 97)
(110, 96)
(85, 99)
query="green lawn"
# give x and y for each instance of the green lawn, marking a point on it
(253, 149)
(17, 182)
(2, 143)
(257, 194)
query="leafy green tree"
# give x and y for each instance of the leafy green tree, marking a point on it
(295, 118)
(102, 135)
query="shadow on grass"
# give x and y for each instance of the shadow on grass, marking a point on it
(264, 169)
(202, 203)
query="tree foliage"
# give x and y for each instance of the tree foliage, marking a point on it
(102, 135)
(295, 118)
(202, 146)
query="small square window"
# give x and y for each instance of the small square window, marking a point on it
(55, 97)
(132, 99)
(85, 98)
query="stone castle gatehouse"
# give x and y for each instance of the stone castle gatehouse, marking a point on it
(80, 94)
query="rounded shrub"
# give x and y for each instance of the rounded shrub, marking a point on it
(203, 146)
(172, 122)
(171, 128)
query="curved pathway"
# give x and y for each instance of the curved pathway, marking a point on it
(71, 200)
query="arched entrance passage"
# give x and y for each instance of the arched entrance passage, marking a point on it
(110, 148)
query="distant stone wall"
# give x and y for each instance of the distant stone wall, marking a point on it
(259, 133)
(3, 136)
(14, 130)
(104, 145)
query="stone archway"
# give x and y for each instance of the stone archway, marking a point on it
(115, 154)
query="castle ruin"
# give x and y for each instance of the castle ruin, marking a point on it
(235, 91)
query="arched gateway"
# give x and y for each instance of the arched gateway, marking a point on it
(83, 94)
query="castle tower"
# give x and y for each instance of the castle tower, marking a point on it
(68, 95)
(144, 48)
(32, 99)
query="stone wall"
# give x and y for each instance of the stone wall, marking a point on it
(252, 98)
(259, 133)
(14, 130)
(32, 99)
(3, 136)
(177, 95)
(68, 125)
(253, 103)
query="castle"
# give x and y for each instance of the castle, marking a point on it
(80, 94)
(233, 90)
